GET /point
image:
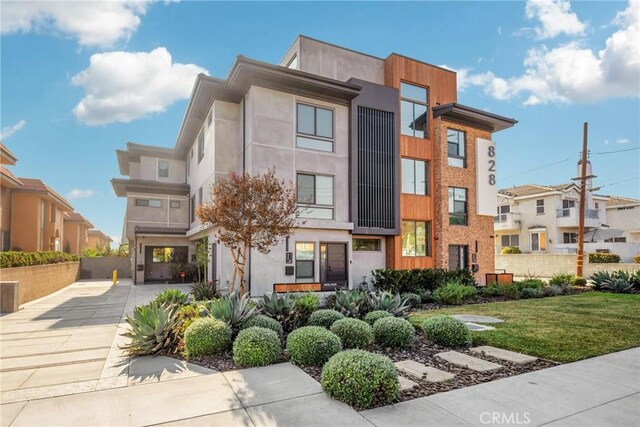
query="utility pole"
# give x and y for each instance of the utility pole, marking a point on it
(583, 189)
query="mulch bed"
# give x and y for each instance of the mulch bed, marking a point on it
(424, 351)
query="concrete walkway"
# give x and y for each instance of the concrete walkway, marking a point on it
(61, 365)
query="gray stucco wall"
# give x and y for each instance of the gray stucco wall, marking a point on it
(102, 267)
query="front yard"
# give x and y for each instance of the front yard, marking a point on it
(563, 328)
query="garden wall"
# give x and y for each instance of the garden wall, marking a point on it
(102, 267)
(37, 281)
(546, 265)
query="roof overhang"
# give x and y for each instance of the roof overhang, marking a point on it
(124, 186)
(160, 231)
(6, 156)
(473, 116)
(8, 179)
(135, 150)
(244, 73)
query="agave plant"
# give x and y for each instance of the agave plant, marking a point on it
(154, 329)
(233, 309)
(171, 296)
(349, 302)
(205, 291)
(618, 285)
(387, 301)
(281, 308)
(600, 279)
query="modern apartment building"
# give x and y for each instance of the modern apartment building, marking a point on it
(76, 229)
(391, 171)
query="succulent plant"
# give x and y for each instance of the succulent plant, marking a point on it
(205, 290)
(281, 308)
(387, 301)
(349, 302)
(154, 329)
(171, 296)
(233, 309)
(618, 285)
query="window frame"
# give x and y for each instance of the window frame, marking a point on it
(413, 102)
(538, 206)
(510, 240)
(192, 216)
(315, 136)
(200, 146)
(427, 237)
(165, 255)
(314, 203)
(172, 204)
(160, 169)
(146, 203)
(465, 215)
(356, 248)
(312, 262)
(569, 238)
(427, 171)
(458, 157)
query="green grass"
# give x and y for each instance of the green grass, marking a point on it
(562, 328)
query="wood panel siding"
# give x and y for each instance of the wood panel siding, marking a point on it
(441, 85)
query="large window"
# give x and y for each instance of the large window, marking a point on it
(510, 240)
(414, 107)
(456, 148)
(503, 210)
(415, 177)
(457, 206)
(305, 261)
(149, 203)
(569, 237)
(540, 207)
(458, 257)
(163, 169)
(200, 146)
(315, 195)
(193, 208)
(370, 245)
(162, 255)
(314, 128)
(416, 238)
(538, 241)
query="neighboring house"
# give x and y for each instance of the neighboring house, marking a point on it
(37, 217)
(98, 238)
(624, 214)
(391, 170)
(8, 182)
(76, 228)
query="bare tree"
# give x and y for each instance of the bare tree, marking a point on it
(250, 212)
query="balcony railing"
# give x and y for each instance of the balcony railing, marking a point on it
(567, 212)
(500, 217)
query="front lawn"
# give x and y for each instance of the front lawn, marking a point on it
(563, 328)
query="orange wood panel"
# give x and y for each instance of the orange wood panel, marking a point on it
(296, 287)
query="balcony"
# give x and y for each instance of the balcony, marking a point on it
(569, 217)
(507, 222)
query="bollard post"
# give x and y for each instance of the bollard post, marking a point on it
(115, 277)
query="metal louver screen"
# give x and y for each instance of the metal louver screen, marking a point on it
(376, 169)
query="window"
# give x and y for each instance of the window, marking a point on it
(193, 208)
(200, 146)
(503, 210)
(315, 128)
(540, 207)
(597, 205)
(416, 238)
(200, 201)
(52, 214)
(510, 240)
(616, 240)
(174, 204)
(413, 110)
(569, 237)
(370, 245)
(293, 63)
(163, 169)
(315, 193)
(415, 177)
(457, 206)
(149, 203)
(161, 255)
(43, 216)
(305, 261)
(456, 148)
(538, 241)
(458, 257)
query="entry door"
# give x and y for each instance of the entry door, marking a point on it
(458, 257)
(333, 260)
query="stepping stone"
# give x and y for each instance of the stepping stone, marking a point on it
(509, 356)
(477, 327)
(406, 384)
(467, 361)
(419, 370)
(476, 319)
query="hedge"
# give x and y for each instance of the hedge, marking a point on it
(23, 259)
(604, 258)
(426, 279)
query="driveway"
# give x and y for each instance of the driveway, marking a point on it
(61, 365)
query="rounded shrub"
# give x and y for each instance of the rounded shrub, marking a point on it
(411, 299)
(360, 379)
(353, 333)
(527, 293)
(579, 281)
(263, 321)
(445, 330)
(372, 316)
(256, 346)
(324, 318)
(510, 250)
(393, 332)
(312, 345)
(207, 336)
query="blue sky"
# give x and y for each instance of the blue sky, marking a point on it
(80, 80)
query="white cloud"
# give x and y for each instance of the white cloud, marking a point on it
(622, 141)
(8, 131)
(571, 72)
(77, 193)
(555, 18)
(125, 86)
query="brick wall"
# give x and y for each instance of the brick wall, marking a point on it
(38, 281)
(480, 227)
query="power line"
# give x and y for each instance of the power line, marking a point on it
(620, 182)
(618, 151)
(538, 168)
